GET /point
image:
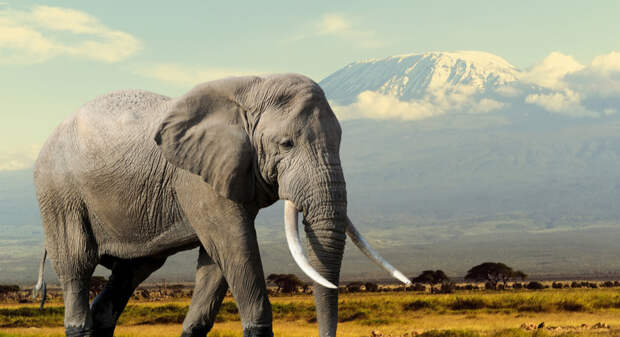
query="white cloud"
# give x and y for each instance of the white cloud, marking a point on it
(45, 32)
(337, 25)
(600, 79)
(333, 24)
(551, 71)
(377, 106)
(486, 105)
(20, 158)
(508, 91)
(607, 63)
(374, 105)
(558, 84)
(567, 102)
(186, 75)
(569, 84)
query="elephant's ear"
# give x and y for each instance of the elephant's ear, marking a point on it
(203, 133)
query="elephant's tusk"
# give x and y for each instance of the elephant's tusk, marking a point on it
(363, 245)
(294, 245)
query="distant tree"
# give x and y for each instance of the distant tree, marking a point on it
(447, 288)
(8, 288)
(431, 277)
(416, 287)
(97, 283)
(493, 273)
(535, 285)
(517, 274)
(287, 283)
(371, 286)
(354, 287)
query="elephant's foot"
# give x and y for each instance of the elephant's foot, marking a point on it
(196, 331)
(105, 332)
(79, 332)
(258, 332)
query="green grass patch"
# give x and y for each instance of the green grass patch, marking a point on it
(31, 317)
(450, 333)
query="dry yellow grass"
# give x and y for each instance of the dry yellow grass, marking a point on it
(497, 311)
(483, 323)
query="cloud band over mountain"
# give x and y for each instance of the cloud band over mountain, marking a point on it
(418, 86)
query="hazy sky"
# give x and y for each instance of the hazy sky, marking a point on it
(56, 55)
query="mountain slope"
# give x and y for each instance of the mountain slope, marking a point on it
(415, 75)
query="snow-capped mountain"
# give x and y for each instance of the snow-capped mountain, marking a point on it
(414, 76)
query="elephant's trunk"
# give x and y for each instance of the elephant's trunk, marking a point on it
(326, 240)
(325, 249)
(325, 224)
(323, 200)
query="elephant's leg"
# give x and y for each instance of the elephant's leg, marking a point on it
(125, 278)
(240, 262)
(209, 292)
(73, 254)
(227, 234)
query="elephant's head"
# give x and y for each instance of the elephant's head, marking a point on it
(256, 140)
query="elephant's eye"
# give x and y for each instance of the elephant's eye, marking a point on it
(286, 144)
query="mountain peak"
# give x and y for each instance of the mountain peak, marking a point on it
(471, 56)
(413, 76)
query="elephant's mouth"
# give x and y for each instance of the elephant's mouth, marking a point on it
(294, 245)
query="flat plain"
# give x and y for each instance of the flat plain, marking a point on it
(510, 313)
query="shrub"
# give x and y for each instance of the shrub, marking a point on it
(8, 288)
(467, 304)
(446, 288)
(512, 333)
(534, 285)
(466, 287)
(348, 317)
(371, 286)
(557, 285)
(571, 305)
(417, 287)
(518, 285)
(417, 305)
(354, 287)
(450, 333)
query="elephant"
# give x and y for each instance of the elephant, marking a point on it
(133, 177)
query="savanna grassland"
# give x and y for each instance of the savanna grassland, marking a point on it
(511, 313)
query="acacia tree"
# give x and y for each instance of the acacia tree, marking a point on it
(287, 283)
(493, 273)
(431, 277)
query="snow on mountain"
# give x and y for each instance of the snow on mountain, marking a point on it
(418, 76)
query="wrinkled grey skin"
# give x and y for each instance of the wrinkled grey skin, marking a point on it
(134, 177)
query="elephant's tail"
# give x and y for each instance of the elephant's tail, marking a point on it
(41, 282)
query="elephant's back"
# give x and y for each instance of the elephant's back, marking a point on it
(99, 129)
(106, 157)
(119, 117)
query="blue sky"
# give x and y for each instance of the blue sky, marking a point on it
(56, 55)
